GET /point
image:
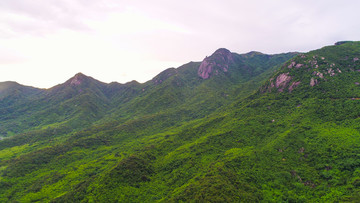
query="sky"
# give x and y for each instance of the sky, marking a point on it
(45, 42)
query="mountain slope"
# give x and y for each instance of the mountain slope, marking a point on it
(14, 102)
(83, 100)
(299, 144)
(56, 105)
(171, 139)
(284, 145)
(185, 87)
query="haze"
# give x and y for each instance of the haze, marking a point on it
(43, 43)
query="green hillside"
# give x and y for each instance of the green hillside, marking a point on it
(232, 128)
(82, 100)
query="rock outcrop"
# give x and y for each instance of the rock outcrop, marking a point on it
(294, 85)
(282, 80)
(77, 79)
(218, 61)
(313, 82)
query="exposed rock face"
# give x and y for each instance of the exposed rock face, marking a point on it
(321, 75)
(77, 79)
(294, 85)
(220, 60)
(331, 71)
(292, 64)
(282, 80)
(205, 69)
(313, 82)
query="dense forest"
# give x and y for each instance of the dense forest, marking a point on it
(235, 127)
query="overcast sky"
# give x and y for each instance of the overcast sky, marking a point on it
(45, 42)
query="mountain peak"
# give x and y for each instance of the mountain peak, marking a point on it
(220, 59)
(80, 74)
(222, 51)
(78, 79)
(8, 85)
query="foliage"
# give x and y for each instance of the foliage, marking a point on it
(185, 139)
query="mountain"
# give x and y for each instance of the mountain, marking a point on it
(234, 127)
(14, 100)
(82, 100)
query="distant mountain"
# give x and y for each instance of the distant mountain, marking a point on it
(11, 88)
(82, 100)
(234, 127)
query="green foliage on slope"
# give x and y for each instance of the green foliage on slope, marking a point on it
(184, 140)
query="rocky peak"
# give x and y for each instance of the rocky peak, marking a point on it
(78, 79)
(222, 51)
(79, 83)
(219, 60)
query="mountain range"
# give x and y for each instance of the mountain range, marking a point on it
(235, 127)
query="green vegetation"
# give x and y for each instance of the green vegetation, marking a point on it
(237, 136)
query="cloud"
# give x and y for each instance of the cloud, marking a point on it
(269, 26)
(111, 39)
(39, 17)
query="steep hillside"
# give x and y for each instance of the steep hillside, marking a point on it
(286, 143)
(163, 140)
(34, 108)
(82, 100)
(185, 88)
(15, 100)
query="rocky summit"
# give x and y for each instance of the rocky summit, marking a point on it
(220, 60)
